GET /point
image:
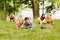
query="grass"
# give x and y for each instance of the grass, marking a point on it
(8, 31)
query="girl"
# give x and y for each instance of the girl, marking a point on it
(20, 23)
(12, 17)
(8, 18)
(49, 19)
(42, 19)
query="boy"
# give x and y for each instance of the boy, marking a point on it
(28, 23)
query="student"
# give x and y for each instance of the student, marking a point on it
(8, 19)
(28, 23)
(12, 17)
(20, 23)
(42, 19)
(49, 19)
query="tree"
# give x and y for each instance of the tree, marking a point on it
(18, 4)
(55, 5)
(35, 6)
(4, 2)
(1, 5)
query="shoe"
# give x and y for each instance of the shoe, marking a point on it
(43, 27)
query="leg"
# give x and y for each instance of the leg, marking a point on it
(31, 25)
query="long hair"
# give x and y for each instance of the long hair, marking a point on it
(42, 17)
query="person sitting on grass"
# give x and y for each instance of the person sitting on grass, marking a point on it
(8, 18)
(12, 18)
(20, 23)
(28, 23)
(49, 19)
(42, 19)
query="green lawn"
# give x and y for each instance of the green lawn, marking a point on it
(8, 31)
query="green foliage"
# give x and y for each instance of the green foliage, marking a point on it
(1, 5)
(56, 2)
(25, 1)
(51, 0)
(11, 6)
(17, 3)
(10, 9)
(50, 8)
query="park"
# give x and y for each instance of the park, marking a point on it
(15, 12)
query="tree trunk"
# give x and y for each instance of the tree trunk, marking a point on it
(14, 5)
(4, 8)
(35, 6)
(43, 7)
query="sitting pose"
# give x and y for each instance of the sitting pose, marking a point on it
(49, 19)
(20, 23)
(42, 19)
(8, 18)
(12, 18)
(28, 23)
